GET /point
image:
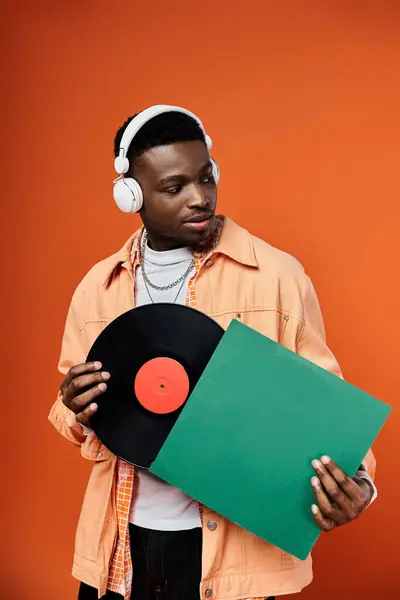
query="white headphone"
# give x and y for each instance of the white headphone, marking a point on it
(127, 192)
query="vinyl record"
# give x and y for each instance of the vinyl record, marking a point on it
(155, 355)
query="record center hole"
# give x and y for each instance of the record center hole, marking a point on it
(162, 385)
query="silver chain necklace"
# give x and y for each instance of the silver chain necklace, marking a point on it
(147, 282)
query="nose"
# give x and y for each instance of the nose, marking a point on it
(197, 197)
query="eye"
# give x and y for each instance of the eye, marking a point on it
(207, 179)
(176, 189)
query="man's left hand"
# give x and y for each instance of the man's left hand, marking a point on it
(340, 499)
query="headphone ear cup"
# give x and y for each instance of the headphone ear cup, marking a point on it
(215, 170)
(128, 195)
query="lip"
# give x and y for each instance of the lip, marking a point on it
(199, 225)
(200, 218)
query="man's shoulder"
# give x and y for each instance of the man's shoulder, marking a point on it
(97, 276)
(98, 273)
(278, 267)
(251, 250)
(269, 256)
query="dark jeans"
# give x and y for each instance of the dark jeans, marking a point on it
(166, 566)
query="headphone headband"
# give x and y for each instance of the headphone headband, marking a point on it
(141, 119)
(127, 191)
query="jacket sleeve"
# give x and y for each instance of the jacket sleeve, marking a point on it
(73, 352)
(311, 344)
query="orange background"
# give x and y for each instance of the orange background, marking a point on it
(302, 101)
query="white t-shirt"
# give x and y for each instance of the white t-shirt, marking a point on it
(156, 504)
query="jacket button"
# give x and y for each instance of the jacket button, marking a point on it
(212, 526)
(209, 262)
(99, 454)
(209, 593)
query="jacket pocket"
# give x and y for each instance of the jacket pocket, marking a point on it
(278, 325)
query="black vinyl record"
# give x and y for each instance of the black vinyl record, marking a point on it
(155, 355)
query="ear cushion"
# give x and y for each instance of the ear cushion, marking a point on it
(215, 170)
(128, 195)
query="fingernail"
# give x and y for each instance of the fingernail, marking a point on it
(102, 387)
(97, 365)
(315, 482)
(316, 464)
(325, 460)
(105, 375)
(93, 407)
(314, 509)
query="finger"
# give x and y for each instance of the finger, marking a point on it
(330, 512)
(81, 402)
(80, 384)
(322, 522)
(78, 370)
(84, 417)
(345, 482)
(333, 489)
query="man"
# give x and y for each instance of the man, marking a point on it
(137, 536)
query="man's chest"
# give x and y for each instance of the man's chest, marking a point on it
(221, 295)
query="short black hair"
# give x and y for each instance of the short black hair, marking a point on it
(166, 128)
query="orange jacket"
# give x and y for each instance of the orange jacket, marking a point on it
(245, 279)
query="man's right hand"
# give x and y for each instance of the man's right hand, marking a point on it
(80, 388)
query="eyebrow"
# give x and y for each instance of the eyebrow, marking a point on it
(173, 178)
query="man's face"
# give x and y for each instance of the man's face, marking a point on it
(179, 194)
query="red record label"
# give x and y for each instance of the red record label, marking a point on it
(162, 385)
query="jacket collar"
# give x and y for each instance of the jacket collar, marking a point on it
(235, 242)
